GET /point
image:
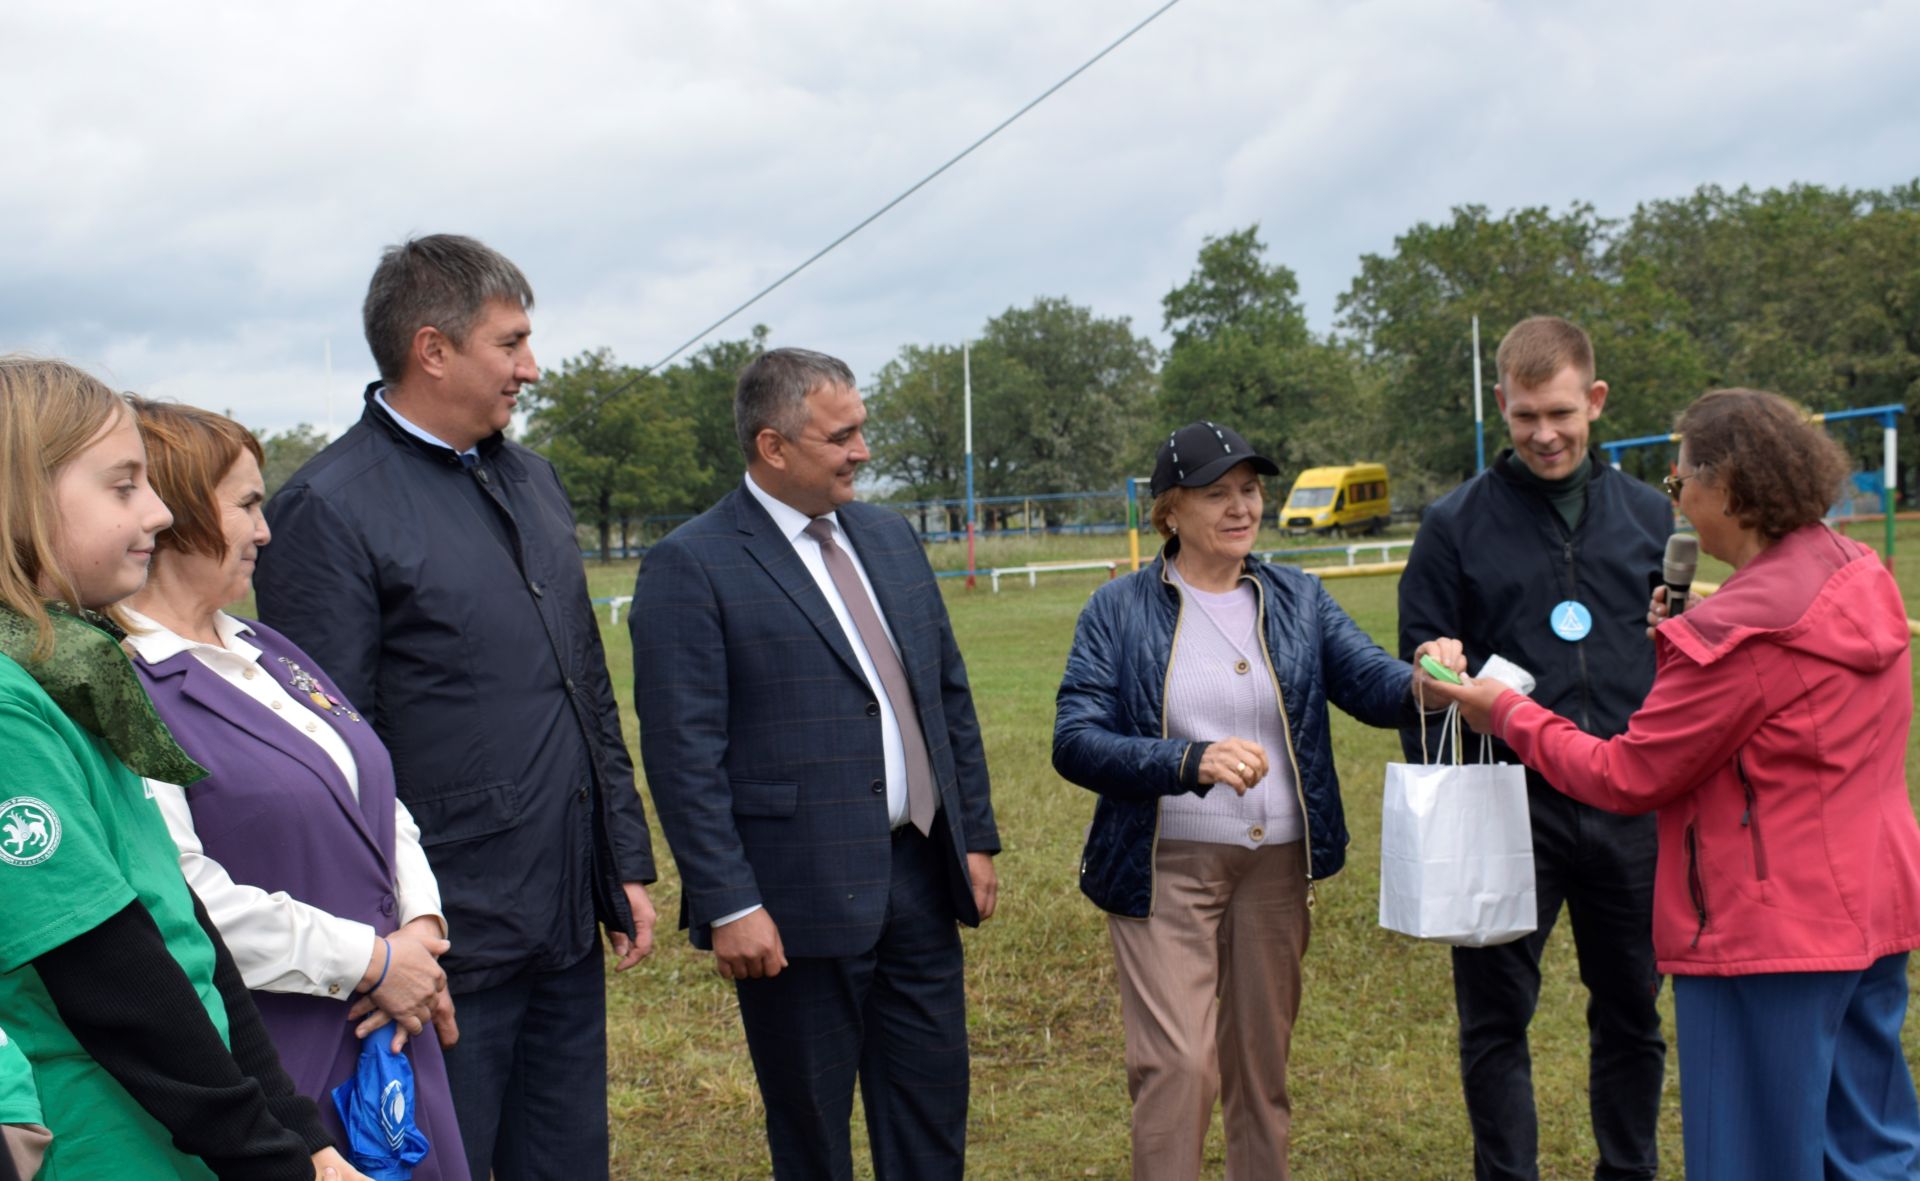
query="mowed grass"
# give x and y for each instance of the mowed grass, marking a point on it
(1374, 1069)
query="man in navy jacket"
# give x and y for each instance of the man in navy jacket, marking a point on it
(1545, 559)
(810, 742)
(430, 566)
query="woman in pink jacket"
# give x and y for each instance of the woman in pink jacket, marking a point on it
(1773, 746)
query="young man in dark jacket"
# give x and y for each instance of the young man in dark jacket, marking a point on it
(430, 566)
(1545, 559)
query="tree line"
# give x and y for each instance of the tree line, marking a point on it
(1810, 291)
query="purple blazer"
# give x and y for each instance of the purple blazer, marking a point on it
(276, 813)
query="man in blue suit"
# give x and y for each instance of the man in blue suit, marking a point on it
(810, 741)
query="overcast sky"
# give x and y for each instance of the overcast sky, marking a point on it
(194, 194)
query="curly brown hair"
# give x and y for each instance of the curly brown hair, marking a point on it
(1780, 470)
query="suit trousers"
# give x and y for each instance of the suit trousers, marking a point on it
(529, 1075)
(1797, 1076)
(893, 1017)
(1209, 990)
(1601, 867)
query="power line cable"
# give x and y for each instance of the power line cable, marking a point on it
(864, 222)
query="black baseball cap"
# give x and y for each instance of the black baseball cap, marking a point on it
(1200, 453)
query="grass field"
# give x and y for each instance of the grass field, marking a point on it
(1376, 1094)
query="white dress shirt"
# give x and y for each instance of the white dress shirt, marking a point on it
(415, 429)
(792, 524)
(279, 943)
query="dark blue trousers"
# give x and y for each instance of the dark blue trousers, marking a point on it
(1797, 1076)
(895, 1017)
(529, 1075)
(1600, 866)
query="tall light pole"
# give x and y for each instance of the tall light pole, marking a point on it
(1479, 423)
(966, 377)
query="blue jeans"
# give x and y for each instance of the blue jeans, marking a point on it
(1797, 1076)
(529, 1075)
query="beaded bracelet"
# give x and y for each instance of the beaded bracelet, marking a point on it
(383, 968)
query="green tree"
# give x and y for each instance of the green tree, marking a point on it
(916, 424)
(614, 438)
(700, 391)
(1061, 399)
(1242, 354)
(1069, 395)
(1409, 313)
(284, 452)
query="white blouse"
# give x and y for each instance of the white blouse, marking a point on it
(279, 943)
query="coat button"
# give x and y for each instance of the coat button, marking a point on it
(873, 709)
(879, 787)
(277, 703)
(534, 586)
(1242, 667)
(313, 727)
(581, 795)
(569, 684)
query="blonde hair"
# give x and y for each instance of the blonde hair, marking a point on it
(1537, 348)
(49, 412)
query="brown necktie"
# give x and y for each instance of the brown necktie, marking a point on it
(921, 801)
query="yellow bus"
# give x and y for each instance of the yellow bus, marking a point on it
(1349, 499)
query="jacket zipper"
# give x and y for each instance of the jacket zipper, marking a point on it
(1286, 730)
(1696, 890)
(1751, 821)
(1579, 649)
(1166, 684)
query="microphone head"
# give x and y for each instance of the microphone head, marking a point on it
(1683, 557)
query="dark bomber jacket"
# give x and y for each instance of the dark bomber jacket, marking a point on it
(451, 607)
(1493, 558)
(1109, 734)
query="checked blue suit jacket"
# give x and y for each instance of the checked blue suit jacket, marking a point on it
(760, 736)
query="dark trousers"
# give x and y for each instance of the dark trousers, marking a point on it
(529, 1076)
(1601, 867)
(894, 1016)
(1797, 1076)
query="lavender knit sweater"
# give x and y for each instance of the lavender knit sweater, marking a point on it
(1218, 687)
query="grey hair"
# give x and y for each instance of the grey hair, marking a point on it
(441, 281)
(773, 392)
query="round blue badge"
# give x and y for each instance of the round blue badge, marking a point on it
(1571, 620)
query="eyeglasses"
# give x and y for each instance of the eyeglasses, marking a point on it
(1673, 482)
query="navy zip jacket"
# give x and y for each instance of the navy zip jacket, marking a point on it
(1109, 732)
(1493, 559)
(450, 606)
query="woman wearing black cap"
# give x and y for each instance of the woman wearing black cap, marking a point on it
(1195, 705)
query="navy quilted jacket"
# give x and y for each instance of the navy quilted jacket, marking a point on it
(1110, 733)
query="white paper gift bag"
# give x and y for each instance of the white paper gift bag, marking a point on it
(1456, 851)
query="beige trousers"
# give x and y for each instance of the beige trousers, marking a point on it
(1209, 989)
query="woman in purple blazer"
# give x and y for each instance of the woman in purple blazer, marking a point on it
(307, 862)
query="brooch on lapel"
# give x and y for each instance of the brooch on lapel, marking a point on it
(316, 693)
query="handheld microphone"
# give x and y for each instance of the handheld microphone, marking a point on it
(1683, 556)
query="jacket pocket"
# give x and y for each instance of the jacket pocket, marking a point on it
(466, 813)
(1696, 889)
(1751, 821)
(763, 797)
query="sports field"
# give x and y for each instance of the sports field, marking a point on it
(1374, 1081)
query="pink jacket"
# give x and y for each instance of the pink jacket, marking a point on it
(1774, 745)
